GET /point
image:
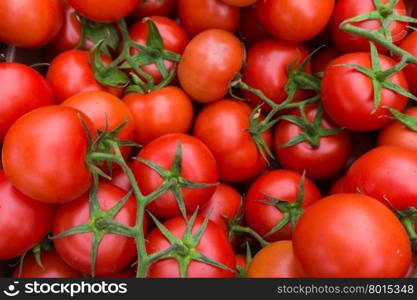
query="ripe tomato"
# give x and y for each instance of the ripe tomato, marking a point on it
(293, 20)
(22, 89)
(250, 29)
(104, 11)
(213, 244)
(409, 44)
(276, 260)
(44, 154)
(198, 16)
(323, 58)
(303, 157)
(222, 126)
(353, 108)
(115, 252)
(30, 24)
(223, 57)
(239, 3)
(280, 184)
(351, 235)
(71, 73)
(168, 110)
(147, 8)
(53, 267)
(346, 9)
(385, 173)
(266, 69)
(24, 222)
(198, 165)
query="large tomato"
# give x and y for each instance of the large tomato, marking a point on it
(44, 154)
(22, 89)
(351, 235)
(24, 222)
(294, 20)
(30, 24)
(222, 126)
(147, 8)
(223, 57)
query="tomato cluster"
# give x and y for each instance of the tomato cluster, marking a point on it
(209, 138)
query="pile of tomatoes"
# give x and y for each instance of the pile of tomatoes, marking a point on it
(209, 138)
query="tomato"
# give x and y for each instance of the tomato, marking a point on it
(198, 16)
(409, 44)
(222, 126)
(266, 69)
(276, 260)
(71, 73)
(239, 3)
(120, 179)
(386, 173)
(213, 245)
(240, 261)
(30, 24)
(147, 8)
(250, 29)
(44, 154)
(198, 165)
(22, 89)
(353, 108)
(115, 252)
(346, 9)
(323, 58)
(223, 57)
(52, 267)
(168, 110)
(338, 187)
(225, 203)
(303, 156)
(351, 235)
(24, 222)
(104, 11)
(293, 20)
(280, 184)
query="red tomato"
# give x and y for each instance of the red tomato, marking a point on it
(30, 24)
(346, 9)
(71, 73)
(280, 184)
(53, 267)
(250, 29)
(213, 244)
(168, 110)
(115, 252)
(276, 260)
(104, 11)
(353, 108)
(44, 154)
(323, 58)
(147, 8)
(198, 165)
(293, 20)
(222, 127)
(24, 222)
(223, 57)
(22, 89)
(241, 261)
(385, 173)
(303, 157)
(409, 44)
(198, 16)
(239, 3)
(351, 235)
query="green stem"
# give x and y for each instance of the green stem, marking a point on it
(250, 231)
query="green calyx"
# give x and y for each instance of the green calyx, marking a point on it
(37, 250)
(242, 272)
(409, 121)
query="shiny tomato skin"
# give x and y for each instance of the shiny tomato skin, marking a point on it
(53, 267)
(280, 184)
(250, 29)
(71, 73)
(409, 44)
(104, 11)
(276, 260)
(222, 127)
(198, 165)
(353, 108)
(115, 252)
(223, 57)
(168, 110)
(24, 222)
(22, 89)
(346, 9)
(147, 8)
(198, 16)
(213, 244)
(239, 3)
(303, 157)
(44, 154)
(330, 239)
(30, 24)
(293, 20)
